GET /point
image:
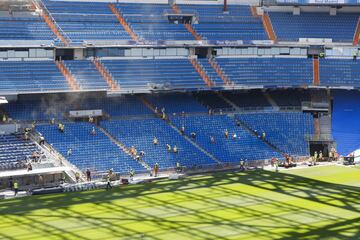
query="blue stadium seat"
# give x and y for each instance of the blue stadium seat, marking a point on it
(339, 72)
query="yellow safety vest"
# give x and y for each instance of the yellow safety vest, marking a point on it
(16, 185)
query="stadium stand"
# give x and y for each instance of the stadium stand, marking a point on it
(212, 101)
(204, 63)
(236, 24)
(285, 130)
(176, 103)
(14, 151)
(30, 76)
(86, 21)
(340, 28)
(154, 74)
(23, 26)
(290, 97)
(339, 72)
(269, 72)
(345, 121)
(248, 99)
(97, 151)
(149, 22)
(245, 146)
(140, 134)
(86, 74)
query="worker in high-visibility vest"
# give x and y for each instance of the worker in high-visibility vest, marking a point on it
(16, 188)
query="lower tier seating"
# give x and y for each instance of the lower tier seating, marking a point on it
(140, 134)
(15, 151)
(245, 146)
(285, 130)
(96, 152)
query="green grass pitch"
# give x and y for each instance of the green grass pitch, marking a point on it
(312, 203)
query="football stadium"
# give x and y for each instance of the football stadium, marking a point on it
(179, 119)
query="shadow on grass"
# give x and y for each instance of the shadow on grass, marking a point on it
(330, 194)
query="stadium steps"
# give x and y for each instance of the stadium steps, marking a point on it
(188, 27)
(253, 11)
(122, 147)
(325, 124)
(106, 75)
(123, 22)
(68, 76)
(50, 22)
(152, 108)
(270, 100)
(316, 75)
(252, 131)
(317, 126)
(219, 71)
(357, 34)
(268, 26)
(201, 72)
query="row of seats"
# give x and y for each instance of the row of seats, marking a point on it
(269, 72)
(339, 72)
(339, 28)
(236, 24)
(31, 76)
(285, 130)
(345, 121)
(140, 134)
(15, 151)
(96, 152)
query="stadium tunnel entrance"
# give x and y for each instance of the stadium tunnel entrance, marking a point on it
(64, 54)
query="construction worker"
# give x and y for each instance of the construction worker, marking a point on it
(175, 150)
(155, 141)
(320, 156)
(16, 187)
(168, 147)
(182, 130)
(226, 133)
(322, 54)
(108, 180)
(277, 165)
(354, 54)
(178, 167)
(156, 169)
(93, 131)
(132, 174)
(242, 165)
(77, 176)
(315, 157)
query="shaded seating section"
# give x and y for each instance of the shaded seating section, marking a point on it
(339, 72)
(154, 74)
(250, 99)
(86, 74)
(149, 22)
(23, 26)
(290, 97)
(14, 151)
(212, 101)
(268, 72)
(236, 24)
(340, 28)
(176, 103)
(245, 146)
(285, 130)
(345, 121)
(96, 152)
(86, 21)
(210, 72)
(48, 107)
(140, 134)
(31, 76)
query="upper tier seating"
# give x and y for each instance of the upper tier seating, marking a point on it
(268, 71)
(245, 146)
(14, 151)
(140, 134)
(31, 76)
(176, 103)
(340, 28)
(345, 121)
(86, 21)
(339, 72)
(149, 23)
(86, 74)
(96, 152)
(133, 74)
(285, 130)
(23, 26)
(236, 24)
